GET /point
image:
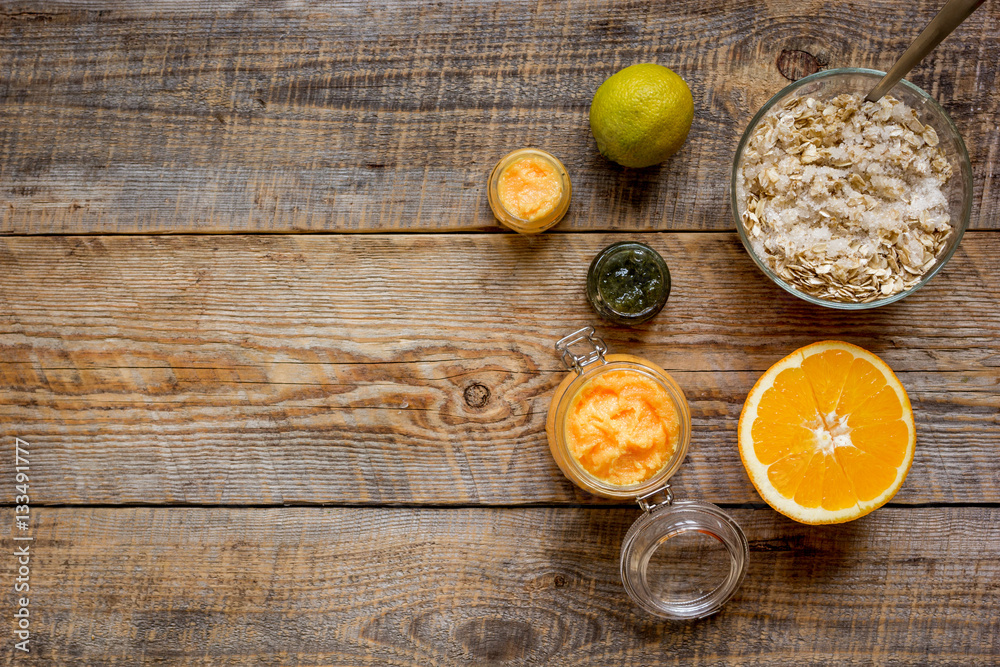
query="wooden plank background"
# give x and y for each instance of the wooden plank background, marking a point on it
(371, 116)
(327, 448)
(374, 369)
(418, 587)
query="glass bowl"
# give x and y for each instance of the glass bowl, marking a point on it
(851, 80)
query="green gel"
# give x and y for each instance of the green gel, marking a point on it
(628, 283)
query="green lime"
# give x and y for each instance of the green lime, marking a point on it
(641, 115)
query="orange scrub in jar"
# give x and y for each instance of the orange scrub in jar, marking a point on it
(622, 427)
(530, 188)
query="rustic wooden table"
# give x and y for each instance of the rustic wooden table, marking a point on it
(258, 438)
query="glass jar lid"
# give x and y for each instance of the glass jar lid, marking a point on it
(682, 560)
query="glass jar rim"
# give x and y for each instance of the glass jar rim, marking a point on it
(667, 521)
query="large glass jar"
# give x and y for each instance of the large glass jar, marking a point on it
(680, 560)
(559, 410)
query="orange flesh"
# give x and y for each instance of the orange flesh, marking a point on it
(831, 431)
(622, 427)
(529, 188)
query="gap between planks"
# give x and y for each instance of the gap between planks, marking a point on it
(456, 506)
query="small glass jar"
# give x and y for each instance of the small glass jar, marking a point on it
(679, 560)
(628, 283)
(510, 219)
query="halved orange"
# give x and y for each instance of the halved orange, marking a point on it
(827, 433)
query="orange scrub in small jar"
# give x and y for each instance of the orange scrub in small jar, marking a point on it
(622, 427)
(529, 188)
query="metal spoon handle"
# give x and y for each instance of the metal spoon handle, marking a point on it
(950, 16)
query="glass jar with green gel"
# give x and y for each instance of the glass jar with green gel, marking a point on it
(628, 283)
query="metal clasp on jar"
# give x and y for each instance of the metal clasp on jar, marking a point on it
(649, 502)
(594, 349)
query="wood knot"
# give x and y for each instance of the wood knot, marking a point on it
(795, 64)
(477, 395)
(559, 581)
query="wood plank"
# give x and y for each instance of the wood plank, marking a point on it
(410, 369)
(389, 586)
(191, 116)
